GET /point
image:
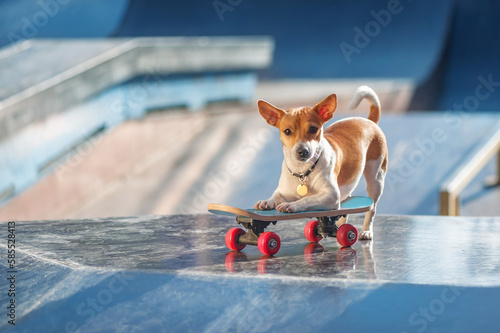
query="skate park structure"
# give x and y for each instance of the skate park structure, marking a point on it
(81, 80)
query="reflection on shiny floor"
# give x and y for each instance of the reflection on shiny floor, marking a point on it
(174, 273)
(317, 261)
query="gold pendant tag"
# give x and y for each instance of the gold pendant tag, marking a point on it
(302, 190)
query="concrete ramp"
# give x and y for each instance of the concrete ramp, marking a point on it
(471, 71)
(313, 39)
(448, 48)
(25, 19)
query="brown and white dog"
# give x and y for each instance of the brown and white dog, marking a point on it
(322, 167)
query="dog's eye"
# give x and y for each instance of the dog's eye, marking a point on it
(313, 130)
(287, 132)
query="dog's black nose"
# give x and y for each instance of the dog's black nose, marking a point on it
(303, 152)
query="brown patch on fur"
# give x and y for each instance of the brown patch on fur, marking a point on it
(374, 114)
(352, 139)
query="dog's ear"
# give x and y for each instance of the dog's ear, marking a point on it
(326, 107)
(270, 113)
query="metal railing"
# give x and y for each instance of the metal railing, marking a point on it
(452, 187)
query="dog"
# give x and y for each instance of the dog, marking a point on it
(322, 167)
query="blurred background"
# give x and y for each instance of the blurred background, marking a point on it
(128, 107)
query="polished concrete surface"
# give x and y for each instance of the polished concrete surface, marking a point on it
(174, 274)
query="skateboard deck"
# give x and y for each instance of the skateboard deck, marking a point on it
(352, 205)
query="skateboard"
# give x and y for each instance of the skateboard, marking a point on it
(268, 243)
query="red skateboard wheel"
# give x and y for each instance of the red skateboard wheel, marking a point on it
(310, 231)
(232, 237)
(347, 234)
(269, 243)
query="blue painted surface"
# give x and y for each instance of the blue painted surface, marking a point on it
(357, 202)
(172, 303)
(26, 19)
(444, 46)
(309, 34)
(472, 58)
(193, 92)
(311, 37)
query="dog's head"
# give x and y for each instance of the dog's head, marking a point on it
(301, 128)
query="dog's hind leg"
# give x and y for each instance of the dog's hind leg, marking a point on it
(375, 176)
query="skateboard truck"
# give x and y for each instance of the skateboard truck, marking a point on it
(255, 229)
(328, 226)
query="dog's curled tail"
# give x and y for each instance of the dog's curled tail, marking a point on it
(367, 92)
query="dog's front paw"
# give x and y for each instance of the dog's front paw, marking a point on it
(287, 207)
(366, 235)
(265, 205)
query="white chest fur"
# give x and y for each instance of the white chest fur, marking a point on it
(318, 180)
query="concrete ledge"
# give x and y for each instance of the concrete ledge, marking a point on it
(77, 69)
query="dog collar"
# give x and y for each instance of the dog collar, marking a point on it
(302, 188)
(308, 172)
